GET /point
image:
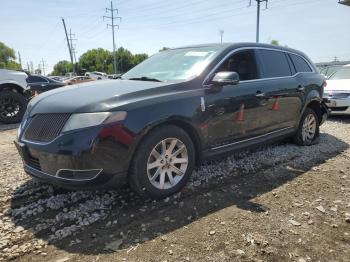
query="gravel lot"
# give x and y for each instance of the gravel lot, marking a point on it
(278, 203)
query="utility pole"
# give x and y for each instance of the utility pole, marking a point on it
(113, 25)
(68, 43)
(19, 59)
(258, 16)
(221, 35)
(71, 39)
(43, 65)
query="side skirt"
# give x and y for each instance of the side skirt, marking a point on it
(221, 151)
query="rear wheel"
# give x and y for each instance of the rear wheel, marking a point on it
(163, 162)
(12, 107)
(309, 129)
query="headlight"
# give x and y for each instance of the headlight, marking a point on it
(77, 121)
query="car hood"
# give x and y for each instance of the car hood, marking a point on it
(97, 96)
(338, 85)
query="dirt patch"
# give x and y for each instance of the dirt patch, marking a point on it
(279, 203)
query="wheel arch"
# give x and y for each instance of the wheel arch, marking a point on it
(181, 123)
(11, 87)
(315, 104)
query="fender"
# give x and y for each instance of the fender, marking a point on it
(314, 96)
(18, 86)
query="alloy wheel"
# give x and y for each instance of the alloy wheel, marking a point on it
(167, 163)
(309, 128)
(9, 107)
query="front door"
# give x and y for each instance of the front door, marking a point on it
(236, 112)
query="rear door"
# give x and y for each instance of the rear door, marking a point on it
(283, 98)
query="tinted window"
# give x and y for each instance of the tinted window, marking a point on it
(300, 64)
(35, 79)
(243, 63)
(275, 64)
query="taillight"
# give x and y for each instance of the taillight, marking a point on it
(324, 83)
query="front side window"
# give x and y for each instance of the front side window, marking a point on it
(243, 63)
(174, 65)
(300, 64)
(343, 73)
(275, 64)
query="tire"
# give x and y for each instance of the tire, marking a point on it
(306, 138)
(141, 171)
(12, 107)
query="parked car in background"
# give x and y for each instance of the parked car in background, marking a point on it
(329, 70)
(13, 95)
(39, 83)
(337, 91)
(169, 113)
(97, 75)
(78, 79)
(114, 76)
(57, 78)
(70, 75)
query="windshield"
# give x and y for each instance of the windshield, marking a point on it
(174, 65)
(343, 73)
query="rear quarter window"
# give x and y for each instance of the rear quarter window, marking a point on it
(300, 64)
(35, 79)
(274, 64)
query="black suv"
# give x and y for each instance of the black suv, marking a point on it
(167, 114)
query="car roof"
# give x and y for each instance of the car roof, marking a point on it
(225, 46)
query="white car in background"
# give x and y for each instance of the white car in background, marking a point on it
(14, 92)
(337, 92)
(97, 75)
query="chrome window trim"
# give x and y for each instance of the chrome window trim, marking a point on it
(252, 138)
(209, 75)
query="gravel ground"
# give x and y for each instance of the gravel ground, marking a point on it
(277, 203)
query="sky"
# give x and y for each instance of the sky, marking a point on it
(320, 28)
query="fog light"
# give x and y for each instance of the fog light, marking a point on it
(78, 175)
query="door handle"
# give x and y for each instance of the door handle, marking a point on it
(300, 88)
(260, 94)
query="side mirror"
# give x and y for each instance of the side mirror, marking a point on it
(225, 78)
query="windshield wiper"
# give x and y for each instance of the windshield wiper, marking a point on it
(145, 78)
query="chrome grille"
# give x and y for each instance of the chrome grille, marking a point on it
(45, 127)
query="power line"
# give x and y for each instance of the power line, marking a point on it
(217, 16)
(113, 25)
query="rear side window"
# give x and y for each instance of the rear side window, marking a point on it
(275, 64)
(300, 64)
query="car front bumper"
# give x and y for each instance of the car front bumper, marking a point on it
(339, 106)
(90, 158)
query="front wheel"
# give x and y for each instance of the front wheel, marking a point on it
(163, 162)
(309, 129)
(12, 107)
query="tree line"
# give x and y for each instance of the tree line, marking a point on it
(100, 60)
(7, 58)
